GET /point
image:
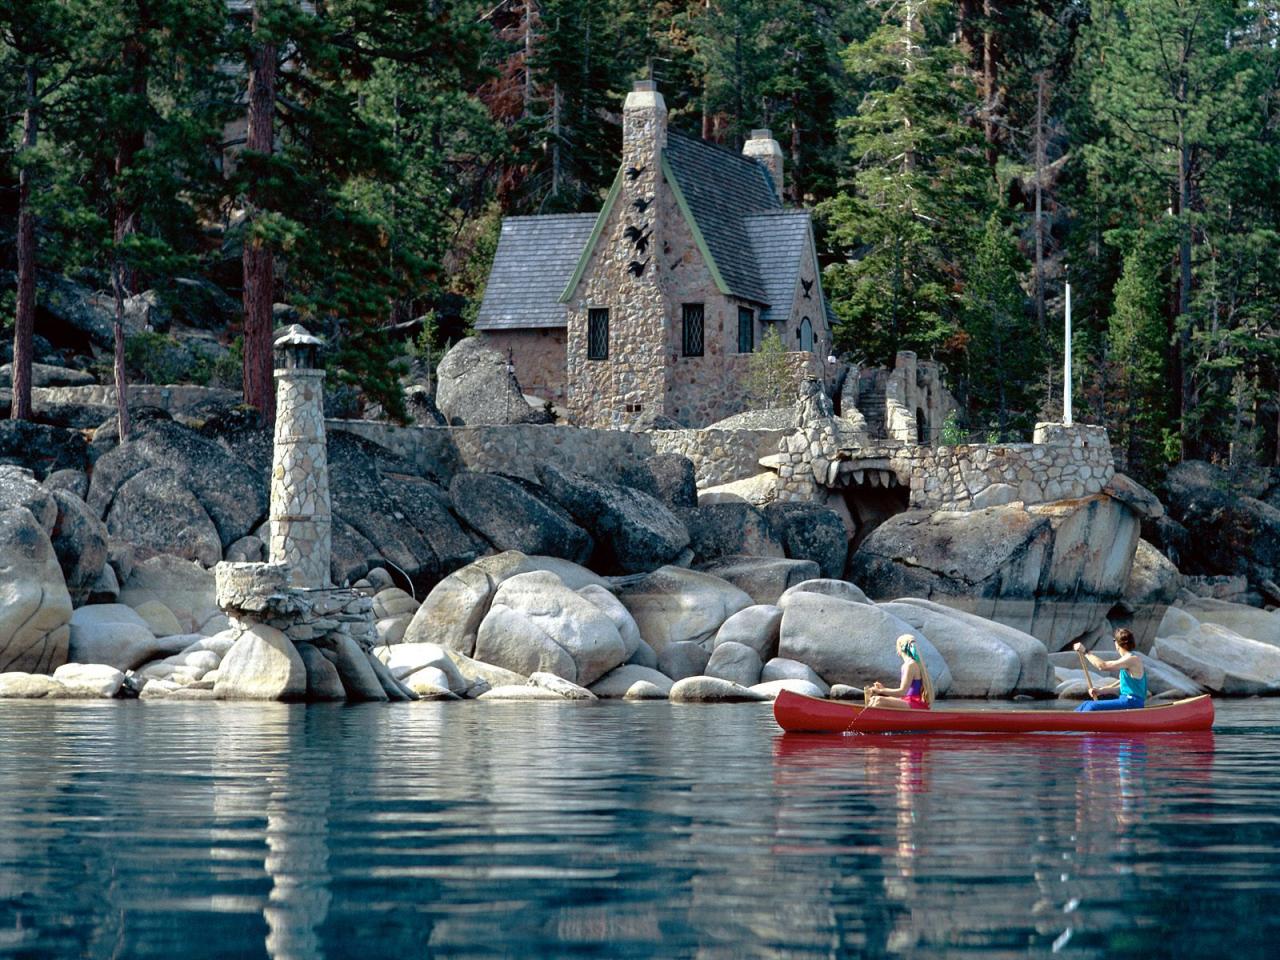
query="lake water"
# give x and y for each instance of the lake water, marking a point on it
(148, 829)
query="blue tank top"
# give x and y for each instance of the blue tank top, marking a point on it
(1129, 687)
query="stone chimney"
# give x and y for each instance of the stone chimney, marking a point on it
(300, 517)
(644, 133)
(765, 149)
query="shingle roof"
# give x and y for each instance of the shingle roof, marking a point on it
(535, 258)
(777, 240)
(721, 188)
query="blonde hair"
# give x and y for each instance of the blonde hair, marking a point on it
(907, 644)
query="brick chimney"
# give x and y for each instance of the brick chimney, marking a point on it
(763, 148)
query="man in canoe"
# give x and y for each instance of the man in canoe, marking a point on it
(915, 692)
(1133, 676)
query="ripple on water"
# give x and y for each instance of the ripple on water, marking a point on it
(622, 830)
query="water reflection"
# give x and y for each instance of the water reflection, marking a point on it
(620, 830)
(1023, 822)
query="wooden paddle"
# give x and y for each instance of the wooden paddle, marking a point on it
(1084, 665)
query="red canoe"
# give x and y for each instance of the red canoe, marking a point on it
(797, 713)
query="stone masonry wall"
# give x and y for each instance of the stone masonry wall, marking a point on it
(300, 515)
(618, 390)
(507, 448)
(720, 456)
(539, 358)
(338, 621)
(916, 386)
(1065, 463)
(810, 307)
(700, 390)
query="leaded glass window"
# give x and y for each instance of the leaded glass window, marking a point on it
(598, 333)
(691, 314)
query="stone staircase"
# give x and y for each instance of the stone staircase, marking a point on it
(871, 405)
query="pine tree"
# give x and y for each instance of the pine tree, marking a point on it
(134, 173)
(917, 194)
(1174, 99)
(39, 39)
(1139, 351)
(306, 186)
(1002, 349)
(771, 380)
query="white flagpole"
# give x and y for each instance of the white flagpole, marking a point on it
(1066, 364)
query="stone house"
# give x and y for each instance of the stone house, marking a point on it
(654, 305)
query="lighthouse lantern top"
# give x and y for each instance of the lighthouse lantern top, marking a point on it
(297, 349)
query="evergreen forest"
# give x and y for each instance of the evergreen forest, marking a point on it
(964, 161)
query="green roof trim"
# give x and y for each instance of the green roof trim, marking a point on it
(698, 240)
(609, 201)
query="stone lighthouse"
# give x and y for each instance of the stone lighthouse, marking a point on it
(301, 523)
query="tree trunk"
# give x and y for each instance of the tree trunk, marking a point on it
(258, 261)
(989, 76)
(122, 399)
(125, 216)
(25, 319)
(1184, 288)
(793, 185)
(528, 56)
(556, 182)
(706, 96)
(1040, 158)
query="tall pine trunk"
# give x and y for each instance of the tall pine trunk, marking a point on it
(125, 215)
(257, 261)
(1040, 159)
(989, 79)
(122, 385)
(25, 320)
(1186, 401)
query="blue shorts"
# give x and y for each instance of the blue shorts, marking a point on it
(1119, 703)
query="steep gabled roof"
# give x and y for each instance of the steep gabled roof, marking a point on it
(534, 260)
(718, 189)
(777, 240)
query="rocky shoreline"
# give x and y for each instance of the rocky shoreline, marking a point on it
(517, 627)
(143, 568)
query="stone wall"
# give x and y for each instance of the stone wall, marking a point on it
(616, 391)
(1064, 463)
(811, 307)
(177, 399)
(260, 593)
(700, 390)
(514, 449)
(915, 398)
(539, 358)
(720, 456)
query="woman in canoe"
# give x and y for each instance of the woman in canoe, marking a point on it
(915, 692)
(1133, 676)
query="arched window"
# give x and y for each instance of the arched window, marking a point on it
(806, 334)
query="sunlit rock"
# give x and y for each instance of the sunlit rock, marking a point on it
(852, 643)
